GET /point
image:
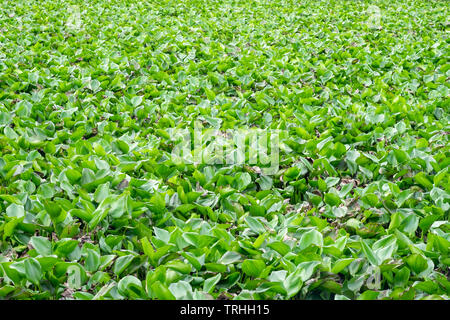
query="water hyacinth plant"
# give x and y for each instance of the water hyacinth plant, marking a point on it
(224, 149)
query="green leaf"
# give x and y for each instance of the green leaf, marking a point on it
(332, 199)
(370, 255)
(230, 257)
(161, 292)
(369, 295)
(179, 266)
(370, 199)
(42, 245)
(92, 262)
(97, 216)
(309, 238)
(130, 286)
(341, 264)
(242, 180)
(423, 181)
(15, 211)
(65, 247)
(33, 270)
(122, 263)
(385, 248)
(10, 227)
(417, 263)
(255, 225)
(253, 267)
(280, 247)
(210, 283)
(136, 101)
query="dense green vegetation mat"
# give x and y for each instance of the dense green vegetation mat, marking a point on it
(93, 204)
